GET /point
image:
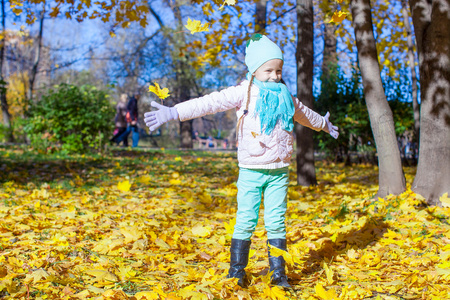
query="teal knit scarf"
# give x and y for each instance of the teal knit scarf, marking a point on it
(274, 104)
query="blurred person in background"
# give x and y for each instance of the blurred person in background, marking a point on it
(132, 121)
(120, 120)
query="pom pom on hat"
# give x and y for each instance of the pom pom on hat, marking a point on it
(259, 50)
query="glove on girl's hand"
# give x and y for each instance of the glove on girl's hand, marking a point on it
(330, 128)
(164, 114)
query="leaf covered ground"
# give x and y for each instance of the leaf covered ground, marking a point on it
(158, 224)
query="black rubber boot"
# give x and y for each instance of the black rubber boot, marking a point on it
(238, 259)
(277, 264)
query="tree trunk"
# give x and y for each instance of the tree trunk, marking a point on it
(306, 172)
(184, 80)
(432, 27)
(329, 47)
(183, 76)
(37, 58)
(391, 177)
(260, 18)
(4, 103)
(412, 63)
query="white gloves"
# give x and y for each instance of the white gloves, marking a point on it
(329, 127)
(156, 118)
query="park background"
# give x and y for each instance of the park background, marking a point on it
(368, 213)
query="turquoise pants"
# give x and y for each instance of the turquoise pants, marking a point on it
(252, 183)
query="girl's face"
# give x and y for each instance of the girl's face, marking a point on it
(270, 71)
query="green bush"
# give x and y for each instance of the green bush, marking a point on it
(343, 97)
(16, 130)
(71, 119)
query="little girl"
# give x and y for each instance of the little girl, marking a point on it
(266, 112)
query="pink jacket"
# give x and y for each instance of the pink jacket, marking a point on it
(255, 150)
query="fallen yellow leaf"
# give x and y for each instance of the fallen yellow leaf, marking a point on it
(124, 186)
(201, 231)
(445, 200)
(146, 296)
(324, 294)
(131, 234)
(102, 275)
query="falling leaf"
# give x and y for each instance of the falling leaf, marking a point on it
(195, 26)
(338, 17)
(161, 93)
(255, 134)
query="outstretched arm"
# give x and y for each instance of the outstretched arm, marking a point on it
(156, 118)
(226, 99)
(311, 119)
(329, 127)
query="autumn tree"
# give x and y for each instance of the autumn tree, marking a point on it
(38, 54)
(431, 21)
(329, 55)
(391, 178)
(25, 60)
(21, 50)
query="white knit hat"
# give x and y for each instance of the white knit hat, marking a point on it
(259, 50)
